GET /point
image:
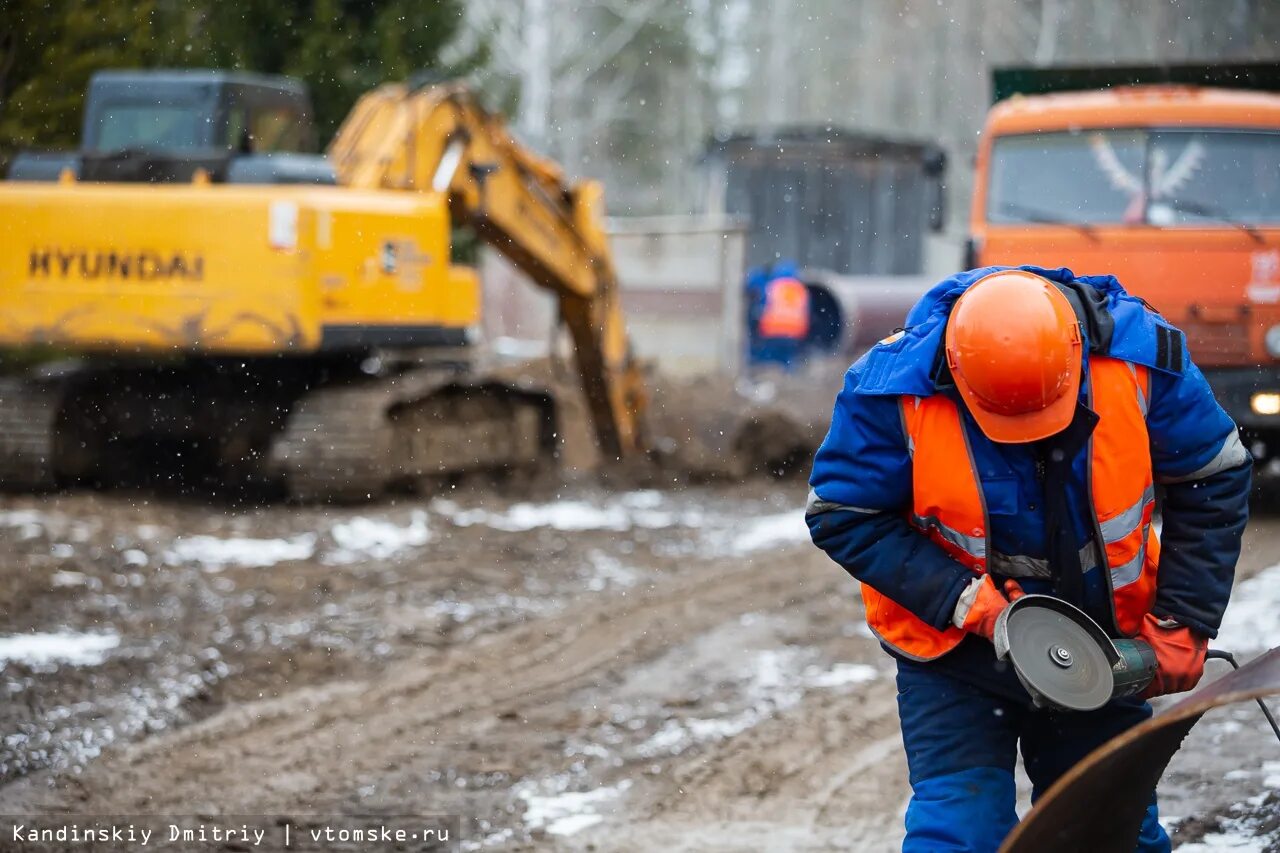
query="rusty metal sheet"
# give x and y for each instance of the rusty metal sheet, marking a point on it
(1098, 805)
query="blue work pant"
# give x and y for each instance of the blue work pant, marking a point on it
(961, 741)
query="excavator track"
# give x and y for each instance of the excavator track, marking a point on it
(28, 432)
(354, 442)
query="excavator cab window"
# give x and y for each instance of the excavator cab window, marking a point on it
(276, 128)
(163, 126)
(167, 127)
(275, 119)
(165, 112)
(238, 130)
(132, 122)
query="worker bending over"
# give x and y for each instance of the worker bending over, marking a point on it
(1009, 440)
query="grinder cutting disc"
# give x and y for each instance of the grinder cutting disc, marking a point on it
(1060, 655)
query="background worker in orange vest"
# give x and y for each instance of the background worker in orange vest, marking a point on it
(1008, 441)
(779, 315)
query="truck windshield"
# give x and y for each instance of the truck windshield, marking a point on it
(1167, 178)
(151, 126)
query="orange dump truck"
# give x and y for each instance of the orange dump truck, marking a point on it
(1171, 187)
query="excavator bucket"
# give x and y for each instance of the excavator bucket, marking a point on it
(1099, 804)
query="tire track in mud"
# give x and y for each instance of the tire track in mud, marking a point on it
(309, 748)
(497, 710)
(828, 776)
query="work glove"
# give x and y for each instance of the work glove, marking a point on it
(1179, 652)
(985, 604)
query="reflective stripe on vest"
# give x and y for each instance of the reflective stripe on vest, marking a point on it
(786, 309)
(948, 505)
(1122, 487)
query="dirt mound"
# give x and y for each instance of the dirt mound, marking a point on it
(696, 428)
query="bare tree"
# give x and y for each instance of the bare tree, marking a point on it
(630, 90)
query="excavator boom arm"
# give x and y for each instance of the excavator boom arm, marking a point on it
(439, 139)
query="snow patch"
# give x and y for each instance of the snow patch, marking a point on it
(1234, 839)
(458, 611)
(378, 539)
(65, 578)
(840, 675)
(501, 604)
(775, 682)
(632, 510)
(608, 571)
(643, 499)
(214, 554)
(760, 534)
(1250, 620)
(565, 515)
(64, 647)
(1247, 827)
(716, 533)
(567, 812)
(1272, 779)
(29, 522)
(768, 690)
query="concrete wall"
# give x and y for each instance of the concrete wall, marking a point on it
(682, 290)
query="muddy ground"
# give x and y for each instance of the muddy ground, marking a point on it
(569, 669)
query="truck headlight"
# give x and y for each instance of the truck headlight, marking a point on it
(1272, 340)
(1265, 403)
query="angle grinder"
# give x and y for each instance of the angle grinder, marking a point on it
(1065, 660)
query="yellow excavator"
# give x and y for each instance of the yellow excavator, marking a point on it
(209, 286)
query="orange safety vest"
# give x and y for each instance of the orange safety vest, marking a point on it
(786, 309)
(947, 504)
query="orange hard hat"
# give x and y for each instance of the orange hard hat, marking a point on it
(1015, 352)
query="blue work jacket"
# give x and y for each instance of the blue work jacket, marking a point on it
(861, 482)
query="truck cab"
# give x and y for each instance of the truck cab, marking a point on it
(162, 126)
(1173, 189)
